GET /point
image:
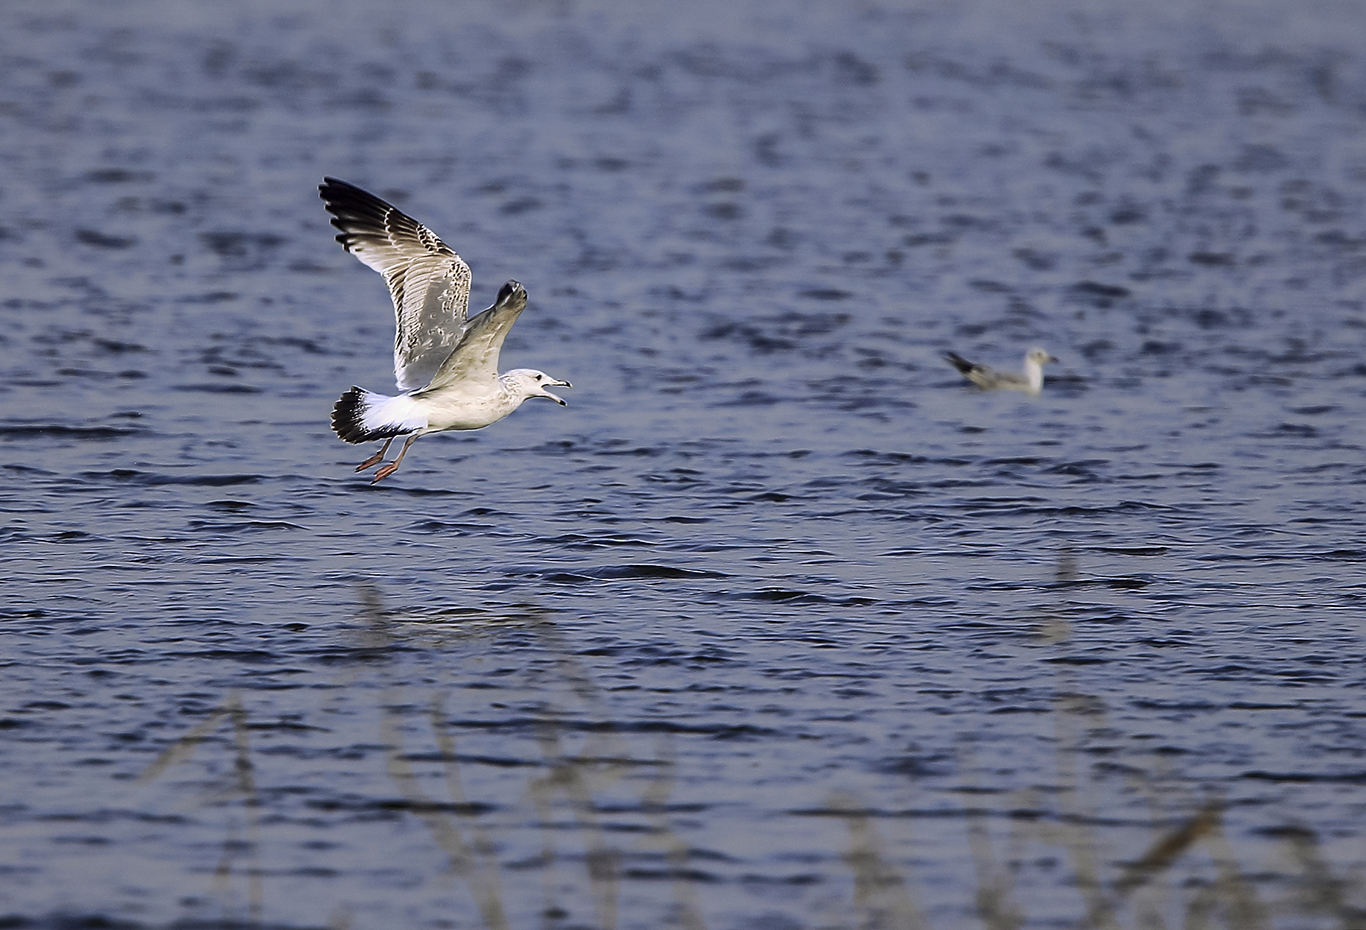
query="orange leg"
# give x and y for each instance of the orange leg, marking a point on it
(377, 457)
(392, 467)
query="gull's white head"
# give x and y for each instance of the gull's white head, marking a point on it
(528, 382)
(1035, 359)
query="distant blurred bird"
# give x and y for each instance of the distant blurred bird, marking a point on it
(989, 379)
(445, 363)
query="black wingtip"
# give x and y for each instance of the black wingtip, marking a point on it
(356, 213)
(343, 197)
(327, 190)
(331, 183)
(511, 293)
(957, 361)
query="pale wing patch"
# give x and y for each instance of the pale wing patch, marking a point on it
(475, 357)
(430, 321)
(428, 281)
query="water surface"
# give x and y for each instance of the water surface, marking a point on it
(778, 625)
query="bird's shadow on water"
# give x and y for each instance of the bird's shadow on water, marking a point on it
(1188, 873)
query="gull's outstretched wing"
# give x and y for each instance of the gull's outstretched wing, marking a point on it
(475, 356)
(430, 284)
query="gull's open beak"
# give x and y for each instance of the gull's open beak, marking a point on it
(558, 400)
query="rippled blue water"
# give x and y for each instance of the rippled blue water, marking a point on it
(778, 625)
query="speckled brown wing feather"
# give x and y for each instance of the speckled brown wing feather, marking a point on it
(429, 282)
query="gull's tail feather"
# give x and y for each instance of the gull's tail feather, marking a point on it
(362, 416)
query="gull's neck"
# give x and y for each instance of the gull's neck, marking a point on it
(1033, 372)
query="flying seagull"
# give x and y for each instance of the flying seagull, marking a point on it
(445, 363)
(989, 379)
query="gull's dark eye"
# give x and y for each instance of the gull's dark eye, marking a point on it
(540, 377)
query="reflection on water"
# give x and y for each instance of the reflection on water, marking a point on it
(597, 794)
(241, 848)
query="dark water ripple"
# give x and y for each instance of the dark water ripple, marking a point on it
(777, 625)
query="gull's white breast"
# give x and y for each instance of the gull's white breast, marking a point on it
(467, 406)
